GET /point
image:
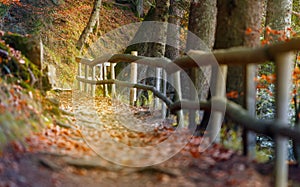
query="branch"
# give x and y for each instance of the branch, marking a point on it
(296, 14)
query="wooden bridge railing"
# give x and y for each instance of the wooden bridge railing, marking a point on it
(280, 53)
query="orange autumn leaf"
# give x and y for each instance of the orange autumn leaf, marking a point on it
(195, 152)
(297, 69)
(248, 31)
(268, 30)
(232, 94)
(264, 77)
(264, 42)
(270, 78)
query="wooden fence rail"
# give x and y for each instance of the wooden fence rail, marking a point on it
(280, 53)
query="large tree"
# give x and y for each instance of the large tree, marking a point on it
(176, 12)
(234, 18)
(279, 13)
(202, 26)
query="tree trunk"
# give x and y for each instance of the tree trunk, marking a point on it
(173, 32)
(173, 44)
(161, 14)
(234, 18)
(279, 14)
(90, 25)
(202, 25)
(140, 8)
(153, 29)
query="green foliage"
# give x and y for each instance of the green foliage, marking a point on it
(231, 138)
(19, 113)
(295, 18)
(3, 10)
(17, 68)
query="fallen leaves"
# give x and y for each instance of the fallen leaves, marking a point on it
(58, 140)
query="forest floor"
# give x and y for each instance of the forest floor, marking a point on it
(79, 148)
(70, 154)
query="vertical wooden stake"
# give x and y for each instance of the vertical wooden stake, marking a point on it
(164, 107)
(158, 72)
(193, 97)
(86, 75)
(105, 77)
(93, 86)
(79, 75)
(249, 138)
(133, 79)
(284, 64)
(177, 85)
(113, 76)
(101, 74)
(220, 90)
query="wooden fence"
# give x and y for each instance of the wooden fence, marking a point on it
(280, 53)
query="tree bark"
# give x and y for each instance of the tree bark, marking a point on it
(90, 25)
(202, 25)
(279, 14)
(150, 31)
(173, 32)
(154, 30)
(161, 14)
(234, 18)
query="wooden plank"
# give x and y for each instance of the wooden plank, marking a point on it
(105, 92)
(158, 75)
(284, 65)
(79, 74)
(86, 75)
(113, 76)
(164, 92)
(93, 87)
(233, 56)
(133, 79)
(249, 138)
(219, 91)
(177, 85)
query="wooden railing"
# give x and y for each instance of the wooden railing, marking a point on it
(280, 53)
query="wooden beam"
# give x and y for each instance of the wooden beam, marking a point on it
(232, 56)
(240, 115)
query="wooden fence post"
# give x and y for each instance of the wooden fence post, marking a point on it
(219, 91)
(101, 73)
(158, 72)
(133, 79)
(79, 75)
(105, 78)
(284, 63)
(86, 75)
(164, 107)
(249, 137)
(177, 85)
(93, 86)
(113, 76)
